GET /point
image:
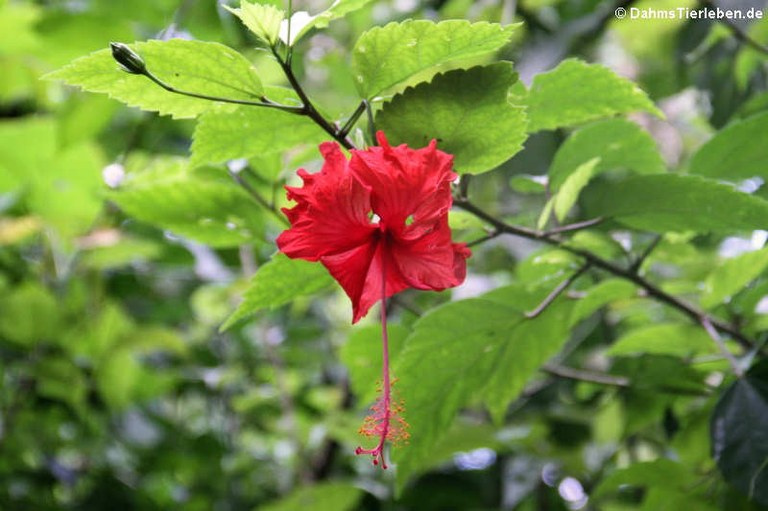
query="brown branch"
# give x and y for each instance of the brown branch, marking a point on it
(651, 289)
(587, 376)
(551, 297)
(715, 335)
(737, 32)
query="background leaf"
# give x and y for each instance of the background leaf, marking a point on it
(735, 152)
(576, 92)
(669, 202)
(249, 131)
(204, 204)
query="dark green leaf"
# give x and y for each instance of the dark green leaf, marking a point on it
(740, 434)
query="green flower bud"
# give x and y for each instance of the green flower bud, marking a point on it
(128, 59)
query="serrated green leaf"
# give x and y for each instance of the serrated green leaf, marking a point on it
(261, 19)
(386, 56)
(576, 92)
(492, 356)
(619, 143)
(466, 111)
(677, 339)
(192, 66)
(247, 132)
(362, 356)
(736, 152)
(207, 208)
(302, 22)
(573, 185)
(278, 282)
(729, 278)
(670, 202)
(334, 495)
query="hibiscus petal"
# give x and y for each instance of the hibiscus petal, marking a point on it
(360, 271)
(402, 180)
(432, 261)
(331, 211)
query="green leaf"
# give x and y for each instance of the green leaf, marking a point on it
(739, 432)
(302, 22)
(261, 19)
(619, 143)
(336, 496)
(662, 473)
(576, 92)
(193, 66)
(466, 111)
(118, 375)
(670, 202)
(728, 279)
(362, 356)
(386, 56)
(29, 315)
(249, 131)
(677, 339)
(572, 187)
(279, 282)
(204, 206)
(491, 357)
(601, 295)
(735, 152)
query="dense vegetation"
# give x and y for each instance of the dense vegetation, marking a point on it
(607, 350)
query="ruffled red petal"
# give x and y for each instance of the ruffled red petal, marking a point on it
(407, 242)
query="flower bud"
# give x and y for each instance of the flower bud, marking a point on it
(128, 59)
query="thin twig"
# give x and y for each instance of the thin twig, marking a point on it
(258, 197)
(737, 32)
(489, 236)
(577, 226)
(644, 255)
(551, 297)
(598, 262)
(344, 131)
(587, 376)
(308, 107)
(264, 102)
(715, 335)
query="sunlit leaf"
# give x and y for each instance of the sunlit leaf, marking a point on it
(466, 111)
(386, 56)
(576, 92)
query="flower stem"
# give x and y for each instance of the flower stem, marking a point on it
(386, 399)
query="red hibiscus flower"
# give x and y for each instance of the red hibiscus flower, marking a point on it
(378, 221)
(379, 224)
